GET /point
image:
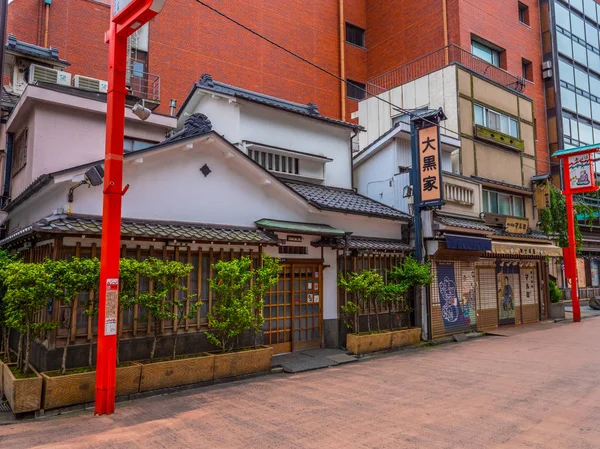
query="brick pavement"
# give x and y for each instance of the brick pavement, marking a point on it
(532, 390)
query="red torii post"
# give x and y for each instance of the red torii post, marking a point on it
(127, 16)
(577, 177)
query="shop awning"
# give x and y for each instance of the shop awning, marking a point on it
(468, 243)
(294, 227)
(526, 249)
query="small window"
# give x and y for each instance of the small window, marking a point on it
(503, 203)
(485, 52)
(523, 13)
(527, 69)
(355, 35)
(496, 121)
(131, 144)
(356, 90)
(19, 156)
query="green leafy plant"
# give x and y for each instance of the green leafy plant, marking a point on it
(28, 289)
(128, 296)
(5, 259)
(553, 219)
(350, 311)
(239, 299)
(69, 279)
(161, 302)
(555, 292)
(365, 290)
(408, 275)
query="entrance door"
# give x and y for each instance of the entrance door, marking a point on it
(509, 294)
(293, 309)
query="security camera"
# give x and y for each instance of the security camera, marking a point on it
(140, 111)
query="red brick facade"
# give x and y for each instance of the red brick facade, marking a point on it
(187, 40)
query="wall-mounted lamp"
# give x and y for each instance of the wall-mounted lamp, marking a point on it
(94, 176)
(140, 111)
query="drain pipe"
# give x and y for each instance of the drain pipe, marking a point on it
(342, 61)
(47, 4)
(7, 169)
(172, 105)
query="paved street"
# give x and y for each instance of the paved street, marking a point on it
(531, 390)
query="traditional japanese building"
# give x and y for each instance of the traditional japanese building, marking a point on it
(242, 174)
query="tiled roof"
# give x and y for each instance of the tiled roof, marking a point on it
(8, 100)
(364, 244)
(530, 235)
(376, 244)
(89, 225)
(466, 223)
(35, 51)
(308, 110)
(344, 200)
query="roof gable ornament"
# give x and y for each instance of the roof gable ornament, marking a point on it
(313, 108)
(207, 80)
(197, 123)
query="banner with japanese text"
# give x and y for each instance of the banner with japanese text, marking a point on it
(430, 166)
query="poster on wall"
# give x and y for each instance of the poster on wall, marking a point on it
(450, 307)
(595, 278)
(581, 281)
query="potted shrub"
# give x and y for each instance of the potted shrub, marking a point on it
(29, 286)
(557, 308)
(239, 291)
(166, 301)
(75, 386)
(367, 289)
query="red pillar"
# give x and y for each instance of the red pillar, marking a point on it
(571, 252)
(111, 224)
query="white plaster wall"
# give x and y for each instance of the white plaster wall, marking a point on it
(224, 116)
(169, 186)
(43, 204)
(374, 176)
(293, 132)
(438, 89)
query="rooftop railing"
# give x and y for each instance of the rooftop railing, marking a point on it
(144, 85)
(438, 59)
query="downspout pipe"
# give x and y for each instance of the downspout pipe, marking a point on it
(342, 61)
(7, 169)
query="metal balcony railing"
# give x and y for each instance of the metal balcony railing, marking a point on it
(144, 85)
(438, 59)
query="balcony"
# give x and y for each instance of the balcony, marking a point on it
(438, 59)
(144, 86)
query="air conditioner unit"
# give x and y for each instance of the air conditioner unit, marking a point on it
(546, 74)
(546, 65)
(84, 82)
(48, 75)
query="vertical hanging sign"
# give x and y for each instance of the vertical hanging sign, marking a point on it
(430, 166)
(581, 172)
(112, 305)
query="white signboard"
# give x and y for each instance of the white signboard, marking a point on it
(581, 175)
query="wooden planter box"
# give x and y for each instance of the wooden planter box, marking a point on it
(406, 337)
(3, 366)
(72, 389)
(233, 364)
(174, 373)
(382, 341)
(23, 395)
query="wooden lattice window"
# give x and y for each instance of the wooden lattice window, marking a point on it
(19, 156)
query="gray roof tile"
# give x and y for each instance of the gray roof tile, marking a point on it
(89, 225)
(463, 223)
(344, 200)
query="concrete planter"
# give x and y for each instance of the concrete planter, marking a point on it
(72, 389)
(23, 395)
(382, 341)
(556, 310)
(406, 337)
(233, 364)
(173, 373)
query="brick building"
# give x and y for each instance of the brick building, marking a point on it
(187, 39)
